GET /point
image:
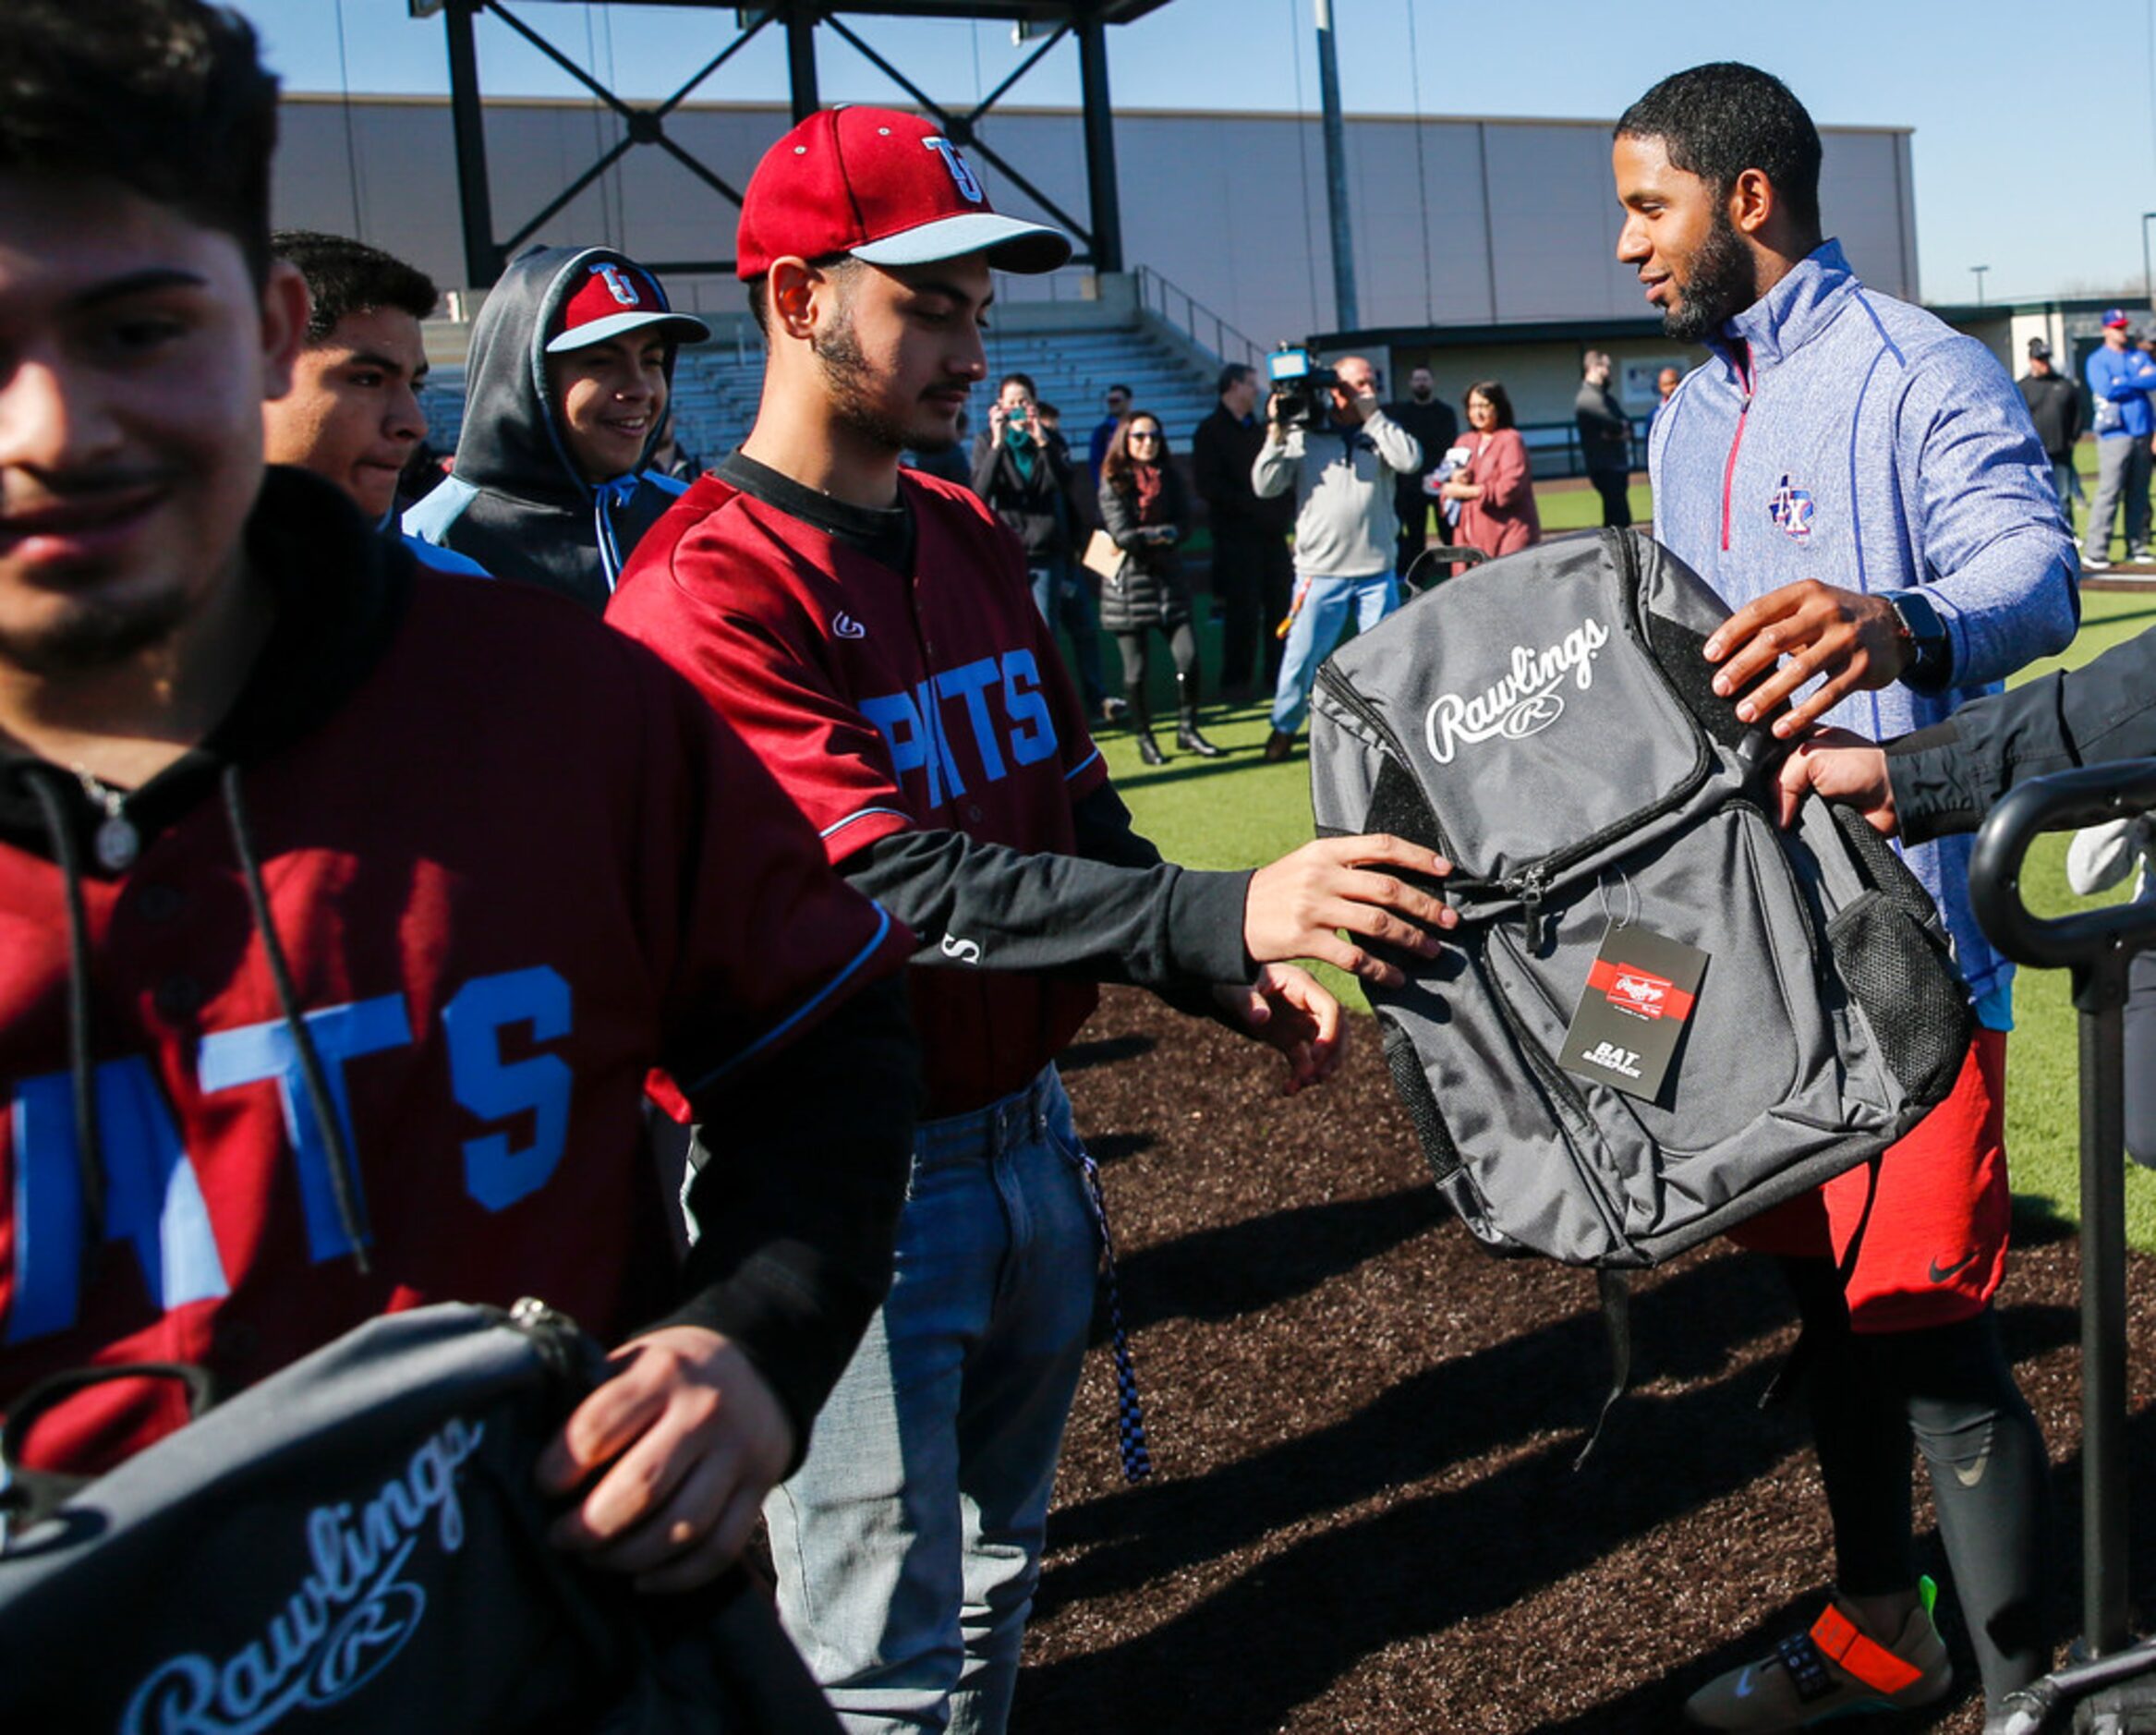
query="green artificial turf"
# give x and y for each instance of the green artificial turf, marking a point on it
(1239, 811)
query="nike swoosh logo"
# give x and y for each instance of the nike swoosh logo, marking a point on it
(1744, 1683)
(1970, 1477)
(1941, 1273)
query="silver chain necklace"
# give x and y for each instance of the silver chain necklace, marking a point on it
(118, 841)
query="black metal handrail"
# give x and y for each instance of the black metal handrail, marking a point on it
(1228, 345)
(2083, 796)
(2096, 946)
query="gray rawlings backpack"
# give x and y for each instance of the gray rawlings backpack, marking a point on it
(1660, 1014)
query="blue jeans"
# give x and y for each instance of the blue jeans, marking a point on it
(1317, 627)
(908, 1543)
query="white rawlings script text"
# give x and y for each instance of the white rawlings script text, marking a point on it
(1523, 701)
(350, 1615)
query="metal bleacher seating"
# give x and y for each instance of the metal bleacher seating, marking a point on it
(715, 387)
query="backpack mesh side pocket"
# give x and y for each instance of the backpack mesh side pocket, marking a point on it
(1420, 1101)
(1880, 865)
(1918, 1017)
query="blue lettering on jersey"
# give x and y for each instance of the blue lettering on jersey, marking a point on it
(154, 1198)
(256, 1052)
(1033, 735)
(151, 1198)
(898, 720)
(967, 684)
(932, 714)
(1004, 712)
(496, 1173)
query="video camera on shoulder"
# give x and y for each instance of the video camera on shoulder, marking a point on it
(1301, 384)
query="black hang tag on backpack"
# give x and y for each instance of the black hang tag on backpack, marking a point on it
(1632, 1014)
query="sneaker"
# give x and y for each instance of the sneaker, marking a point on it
(1278, 747)
(2094, 563)
(2137, 557)
(1832, 1670)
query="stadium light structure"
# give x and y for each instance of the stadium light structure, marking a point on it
(1101, 239)
(2147, 283)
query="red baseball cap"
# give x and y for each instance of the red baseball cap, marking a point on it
(615, 295)
(888, 189)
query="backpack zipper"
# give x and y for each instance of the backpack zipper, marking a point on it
(1562, 1088)
(1529, 885)
(555, 1339)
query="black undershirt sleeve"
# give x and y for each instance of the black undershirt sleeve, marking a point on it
(1116, 914)
(799, 1171)
(1946, 777)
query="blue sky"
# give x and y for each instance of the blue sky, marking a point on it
(2035, 145)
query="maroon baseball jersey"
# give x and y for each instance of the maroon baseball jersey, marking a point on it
(518, 864)
(884, 702)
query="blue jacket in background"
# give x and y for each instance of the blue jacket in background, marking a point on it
(1874, 447)
(2126, 377)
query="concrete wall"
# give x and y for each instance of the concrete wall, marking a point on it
(1520, 221)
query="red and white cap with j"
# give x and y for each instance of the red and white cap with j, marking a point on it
(616, 296)
(886, 188)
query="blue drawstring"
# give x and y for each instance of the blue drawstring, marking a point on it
(1130, 1413)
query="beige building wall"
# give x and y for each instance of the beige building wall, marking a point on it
(1454, 221)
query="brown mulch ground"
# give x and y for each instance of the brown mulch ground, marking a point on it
(1363, 1516)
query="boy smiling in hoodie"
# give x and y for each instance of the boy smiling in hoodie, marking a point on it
(572, 361)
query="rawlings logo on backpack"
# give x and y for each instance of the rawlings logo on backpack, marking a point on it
(1523, 701)
(348, 1618)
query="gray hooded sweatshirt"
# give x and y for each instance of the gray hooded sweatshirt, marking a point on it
(515, 501)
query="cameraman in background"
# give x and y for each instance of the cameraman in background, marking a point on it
(1327, 437)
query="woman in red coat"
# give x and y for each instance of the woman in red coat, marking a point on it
(1497, 500)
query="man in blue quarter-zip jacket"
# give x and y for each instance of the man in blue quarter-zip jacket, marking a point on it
(572, 362)
(2120, 378)
(1864, 486)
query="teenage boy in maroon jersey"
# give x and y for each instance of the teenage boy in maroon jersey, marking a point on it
(333, 959)
(875, 637)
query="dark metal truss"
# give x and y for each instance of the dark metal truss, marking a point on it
(1100, 239)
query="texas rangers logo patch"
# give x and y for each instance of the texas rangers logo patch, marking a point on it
(1791, 507)
(959, 172)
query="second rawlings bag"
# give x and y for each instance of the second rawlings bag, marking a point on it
(356, 1544)
(1660, 1014)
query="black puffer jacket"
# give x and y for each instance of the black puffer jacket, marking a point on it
(1147, 589)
